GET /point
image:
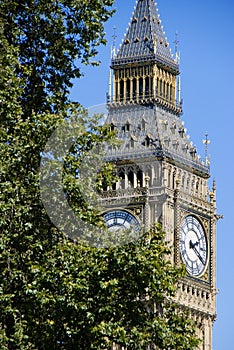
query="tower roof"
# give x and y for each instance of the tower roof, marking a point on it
(145, 39)
(167, 137)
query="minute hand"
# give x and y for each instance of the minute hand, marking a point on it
(198, 254)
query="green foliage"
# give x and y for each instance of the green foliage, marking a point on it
(55, 294)
(54, 38)
(78, 297)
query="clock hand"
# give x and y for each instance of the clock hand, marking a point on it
(193, 246)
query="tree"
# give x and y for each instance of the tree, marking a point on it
(26, 230)
(55, 293)
(54, 38)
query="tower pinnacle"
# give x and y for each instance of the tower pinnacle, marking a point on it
(145, 39)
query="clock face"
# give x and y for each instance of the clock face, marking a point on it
(120, 219)
(193, 246)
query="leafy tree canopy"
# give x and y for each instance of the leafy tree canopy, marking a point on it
(55, 294)
(54, 38)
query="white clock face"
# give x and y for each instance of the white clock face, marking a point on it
(120, 219)
(193, 246)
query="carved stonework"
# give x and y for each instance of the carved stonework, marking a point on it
(161, 177)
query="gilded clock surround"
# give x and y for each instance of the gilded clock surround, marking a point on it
(194, 251)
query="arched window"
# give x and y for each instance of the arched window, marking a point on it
(140, 86)
(167, 91)
(121, 90)
(127, 127)
(134, 92)
(131, 178)
(121, 176)
(150, 86)
(128, 90)
(116, 91)
(171, 91)
(147, 86)
(160, 88)
(140, 178)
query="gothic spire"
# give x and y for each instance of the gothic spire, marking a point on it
(145, 39)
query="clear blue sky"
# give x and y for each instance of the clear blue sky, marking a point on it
(206, 35)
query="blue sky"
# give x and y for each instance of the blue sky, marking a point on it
(206, 44)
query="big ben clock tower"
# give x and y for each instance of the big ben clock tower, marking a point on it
(161, 177)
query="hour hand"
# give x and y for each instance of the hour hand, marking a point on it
(193, 246)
